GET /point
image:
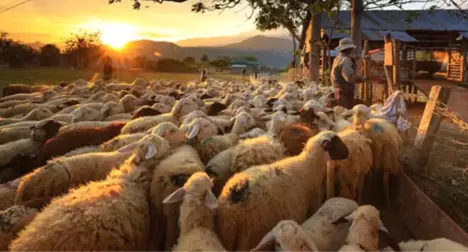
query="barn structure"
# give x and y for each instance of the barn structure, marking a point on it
(430, 41)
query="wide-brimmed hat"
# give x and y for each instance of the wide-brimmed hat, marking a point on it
(345, 43)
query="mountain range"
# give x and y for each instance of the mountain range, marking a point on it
(272, 52)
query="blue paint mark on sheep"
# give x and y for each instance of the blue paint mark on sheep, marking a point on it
(377, 128)
(206, 140)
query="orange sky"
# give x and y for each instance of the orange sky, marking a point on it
(51, 20)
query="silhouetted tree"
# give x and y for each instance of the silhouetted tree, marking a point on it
(83, 48)
(49, 55)
(221, 63)
(204, 58)
(189, 61)
(15, 53)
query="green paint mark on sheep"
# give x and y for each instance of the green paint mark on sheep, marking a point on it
(206, 140)
(377, 128)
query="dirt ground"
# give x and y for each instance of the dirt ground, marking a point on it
(445, 180)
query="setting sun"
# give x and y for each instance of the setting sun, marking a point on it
(117, 35)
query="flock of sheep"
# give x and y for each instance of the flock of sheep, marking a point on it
(214, 166)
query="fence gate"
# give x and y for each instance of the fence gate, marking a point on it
(455, 66)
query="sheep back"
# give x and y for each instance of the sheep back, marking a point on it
(294, 137)
(256, 151)
(209, 147)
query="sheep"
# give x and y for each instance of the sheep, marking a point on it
(161, 107)
(82, 150)
(365, 230)
(243, 122)
(219, 167)
(13, 220)
(208, 144)
(170, 132)
(349, 174)
(118, 201)
(80, 125)
(215, 108)
(145, 111)
(181, 108)
(196, 215)
(61, 174)
(12, 103)
(15, 133)
(294, 137)
(256, 132)
(130, 103)
(256, 151)
(120, 141)
(119, 117)
(386, 145)
(439, 244)
(111, 108)
(340, 122)
(85, 113)
(25, 109)
(36, 114)
(73, 139)
(168, 176)
(12, 89)
(261, 187)
(289, 236)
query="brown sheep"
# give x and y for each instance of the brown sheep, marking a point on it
(294, 137)
(69, 140)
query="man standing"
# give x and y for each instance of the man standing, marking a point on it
(204, 74)
(344, 75)
(108, 69)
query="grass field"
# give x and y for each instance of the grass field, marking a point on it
(38, 76)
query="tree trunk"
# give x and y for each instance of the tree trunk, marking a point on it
(294, 49)
(356, 31)
(314, 54)
(305, 25)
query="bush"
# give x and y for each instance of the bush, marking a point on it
(15, 53)
(169, 65)
(50, 55)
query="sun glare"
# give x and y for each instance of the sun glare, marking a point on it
(117, 35)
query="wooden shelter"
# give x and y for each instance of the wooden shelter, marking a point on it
(444, 31)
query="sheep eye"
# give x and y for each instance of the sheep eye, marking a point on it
(172, 130)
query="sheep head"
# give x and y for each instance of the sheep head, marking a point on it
(149, 148)
(289, 236)
(44, 130)
(183, 107)
(243, 122)
(111, 108)
(170, 132)
(199, 185)
(161, 107)
(366, 222)
(201, 128)
(330, 142)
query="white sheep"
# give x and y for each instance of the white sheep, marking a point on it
(121, 200)
(120, 141)
(262, 187)
(196, 219)
(439, 244)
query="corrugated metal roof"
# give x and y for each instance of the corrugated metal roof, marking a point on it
(374, 35)
(395, 20)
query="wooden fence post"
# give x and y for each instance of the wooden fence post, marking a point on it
(430, 123)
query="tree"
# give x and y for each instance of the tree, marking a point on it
(15, 53)
(49, 55)
(221, 63)
(189, 61)
(82, 48)
(204, 58)
(250, 58)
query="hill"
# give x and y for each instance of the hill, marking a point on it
(261, 42)
(269, 56)
(210, 41)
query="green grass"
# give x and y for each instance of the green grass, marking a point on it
(38, 76)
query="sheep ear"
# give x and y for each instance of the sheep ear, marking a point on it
(335, 148)
(128, 147)
(211, 201)
(194, 132)
(268, 239)
(151, 152)
(386, 240)
(176, 196)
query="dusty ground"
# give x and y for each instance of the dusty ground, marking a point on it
(445, 180)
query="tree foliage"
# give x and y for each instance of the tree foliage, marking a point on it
(49, 55)
(204, 58)
(82, 48)
(189, 61)
(15, 53)
(221, 63)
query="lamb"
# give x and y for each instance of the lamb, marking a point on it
(348, 175)
(365, 230)
(259, 187)
(181, 108)
(168, 176)
(61, 174)
(208, 144)
(73, 139)
(294, 137)
(120, 141)
(439, 244)
(8, 193)
(118, 201)
(256, 151)
(386, 145)
(196, 215)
